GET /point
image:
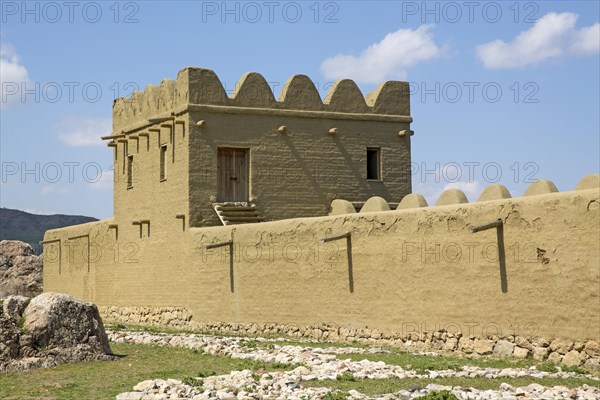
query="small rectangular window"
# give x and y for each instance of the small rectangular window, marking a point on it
(163, 163)
(373, 163)
(129, 171)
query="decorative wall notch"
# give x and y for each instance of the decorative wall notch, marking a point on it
(87, 235)
(222, 244)
(499, 225)
(140, 225)
(43, 242)
(116, 228)
(181, 216)
(348, 237)
(147, 223)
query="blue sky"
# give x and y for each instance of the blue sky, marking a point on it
(503, 92)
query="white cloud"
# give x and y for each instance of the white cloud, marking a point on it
(81, 132)
(554, 36)
(49, 190)
(443, 177)
(387, 59)
(587, 40)
(432, 191)
(105, 182)
(472, 188)
(12, 75)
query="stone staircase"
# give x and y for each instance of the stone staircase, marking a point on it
(237, 213)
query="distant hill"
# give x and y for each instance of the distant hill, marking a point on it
(30, 228)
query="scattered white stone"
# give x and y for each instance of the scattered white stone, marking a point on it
(322, 364)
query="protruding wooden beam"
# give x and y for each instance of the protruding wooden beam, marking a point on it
(489, 225)
(122, 135)
(218, 244)
(344, 235)
(159, 120)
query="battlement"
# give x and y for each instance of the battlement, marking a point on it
(540, 266)
(202, 87)
(456, 197)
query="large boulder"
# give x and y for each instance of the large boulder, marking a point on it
(20, 269)
(12, 248)
(13, 306)
(56, 319)
(53, 329)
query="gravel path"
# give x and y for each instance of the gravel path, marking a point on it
(323, 364)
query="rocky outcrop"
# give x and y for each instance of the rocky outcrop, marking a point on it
(20, 269)
(13, 306)
(51, 329)
(13, 248)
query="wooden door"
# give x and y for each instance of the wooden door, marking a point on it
(232, 175)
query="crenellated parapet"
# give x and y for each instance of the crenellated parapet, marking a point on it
(457, 197)
(202, 87)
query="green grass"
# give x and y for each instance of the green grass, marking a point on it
(106, 379)
(423, 363)
(336, 396)
(395, 356)
(443, 395)
(249, 345)
(345, 376)
(381, 386)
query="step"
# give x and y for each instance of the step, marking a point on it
(243, 219)
(235, 208)
(237, 213)
(240, 213)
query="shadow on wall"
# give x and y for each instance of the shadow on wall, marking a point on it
(348, 237)
(357, 175)
(453, 197)
(306, 171)
(499, 225)
(229, 244)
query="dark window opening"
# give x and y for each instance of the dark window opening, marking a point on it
(163, 163)
(125, 151)
(130, 171)
(373, 164)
